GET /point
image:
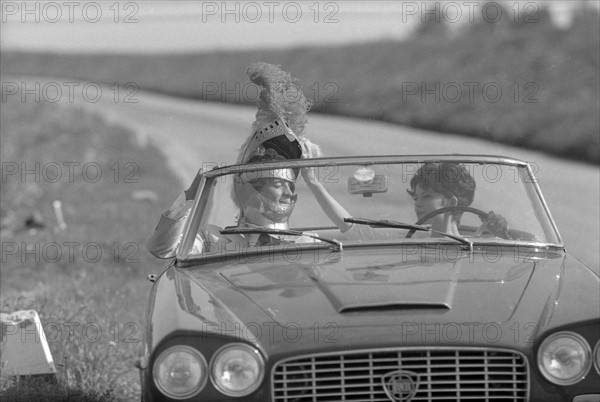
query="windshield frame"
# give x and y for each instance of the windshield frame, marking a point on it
(194, 219)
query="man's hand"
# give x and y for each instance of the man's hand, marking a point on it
(497, 225)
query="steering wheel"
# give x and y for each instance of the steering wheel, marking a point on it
(482, 215)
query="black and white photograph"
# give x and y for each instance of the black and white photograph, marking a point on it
(300, 201)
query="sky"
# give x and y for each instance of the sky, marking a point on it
(186, 26)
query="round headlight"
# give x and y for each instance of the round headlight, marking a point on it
(564, 358)
(180, 372)
(597, 357)
(237, 369)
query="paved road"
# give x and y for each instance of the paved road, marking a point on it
(191, 133)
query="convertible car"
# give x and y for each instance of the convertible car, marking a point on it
(384, 306)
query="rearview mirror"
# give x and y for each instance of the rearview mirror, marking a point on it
(378, 184)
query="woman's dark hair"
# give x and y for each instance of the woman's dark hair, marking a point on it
(447, 178)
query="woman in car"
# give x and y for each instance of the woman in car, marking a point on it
(441, 185)
(449, 184)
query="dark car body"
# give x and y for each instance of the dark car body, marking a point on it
(381, 320)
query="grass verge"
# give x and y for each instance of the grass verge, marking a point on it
(87, 281)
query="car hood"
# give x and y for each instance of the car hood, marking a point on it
(366, 288)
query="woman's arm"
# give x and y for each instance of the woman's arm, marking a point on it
(330, 206)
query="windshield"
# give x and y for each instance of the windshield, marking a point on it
(481, 201)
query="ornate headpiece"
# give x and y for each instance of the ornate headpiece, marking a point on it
(280, 119)
(277, 135)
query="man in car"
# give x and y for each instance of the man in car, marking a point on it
(266, 201)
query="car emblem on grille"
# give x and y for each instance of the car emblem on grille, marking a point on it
(401, 385)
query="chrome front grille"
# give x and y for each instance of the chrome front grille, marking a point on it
(441, 374)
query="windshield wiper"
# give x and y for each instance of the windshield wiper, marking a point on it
(386, 224)
(410, 226)
(337, 245)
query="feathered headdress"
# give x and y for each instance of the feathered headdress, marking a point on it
(280, 119)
